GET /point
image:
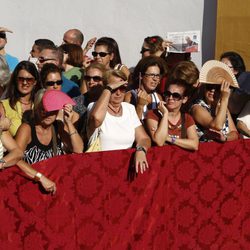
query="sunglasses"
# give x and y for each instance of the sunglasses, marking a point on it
(176, 96)
(143, 50)
(51, 83)
(95, 78)
(122, 88)
(152, 75)
(2, 35)
(101, 54)
(210, 87)
(43, 60)
(29, 80)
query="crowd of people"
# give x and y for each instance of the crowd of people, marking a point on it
(65, 100)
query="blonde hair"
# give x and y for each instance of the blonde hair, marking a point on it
(113, 72)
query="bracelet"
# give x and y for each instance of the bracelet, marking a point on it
(75, 132)
(173, 140)
(37, 176)
(3, 163)
(109, 88)
(140, 148)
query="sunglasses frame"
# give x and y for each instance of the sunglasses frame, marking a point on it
(29, 80)
(43, 60)
(210, 87)
(176, 96)
(52, 83)
(143, 50)
(3, 35)
(101, 54)
(122, 88)
(88, 78)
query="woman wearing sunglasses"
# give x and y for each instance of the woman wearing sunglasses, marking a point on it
(116, 121)
(93, 81)
(168, 124)
(107, 52)
(211, 114)
(51, 76)
(20, 94)
(45, 136)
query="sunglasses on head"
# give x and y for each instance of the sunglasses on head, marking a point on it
(51, 83)
(43, 60)
(95, 78)
(2, 35)
(101, 54)
(29, 80)
(143, 50)
(210, 87)
(176, 96)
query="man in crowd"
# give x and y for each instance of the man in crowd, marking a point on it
(11, 60)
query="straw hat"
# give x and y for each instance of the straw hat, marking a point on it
(2, 29)
(214, 72)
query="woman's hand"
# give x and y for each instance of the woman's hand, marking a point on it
(86, 61)
(141, 163)
(117, 84)
(215, 135)
(68, 113)
(143, 98)
(225, 90)
(48, 185)
(5, 123)
(162, 108)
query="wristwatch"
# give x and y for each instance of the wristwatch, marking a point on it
(108, 88)
(140, 148)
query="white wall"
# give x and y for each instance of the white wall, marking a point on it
(128, 21)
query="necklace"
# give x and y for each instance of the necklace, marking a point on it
(25, 103)
(116, 112)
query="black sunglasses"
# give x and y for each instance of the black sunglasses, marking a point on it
(42, 59)
(101, 54)
(51, 83)
(210, 87)
(144, 50)
(176, 96)
(95, 78)
(2, 35)
(122, 88)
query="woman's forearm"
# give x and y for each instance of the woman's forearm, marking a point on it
(220, 118)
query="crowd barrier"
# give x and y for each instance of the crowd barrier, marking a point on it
(186, 200)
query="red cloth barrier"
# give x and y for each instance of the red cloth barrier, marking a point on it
(186, 200)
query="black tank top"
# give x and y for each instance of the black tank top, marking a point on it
(36, 151)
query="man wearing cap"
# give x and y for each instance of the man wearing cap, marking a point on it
(11, 60)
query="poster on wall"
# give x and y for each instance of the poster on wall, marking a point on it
(184, 42)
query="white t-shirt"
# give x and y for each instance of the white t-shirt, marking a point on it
(244, 116)
(118, 132)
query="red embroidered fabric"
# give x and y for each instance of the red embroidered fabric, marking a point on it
(186, 200)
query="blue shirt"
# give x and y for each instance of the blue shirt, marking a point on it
(12, 61)
(70, 88)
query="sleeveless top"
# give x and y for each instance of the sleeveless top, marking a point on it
(15, 115)
(36, 151)
(152, 105)
(200, 130)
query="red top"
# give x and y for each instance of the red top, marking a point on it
(173, 129)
